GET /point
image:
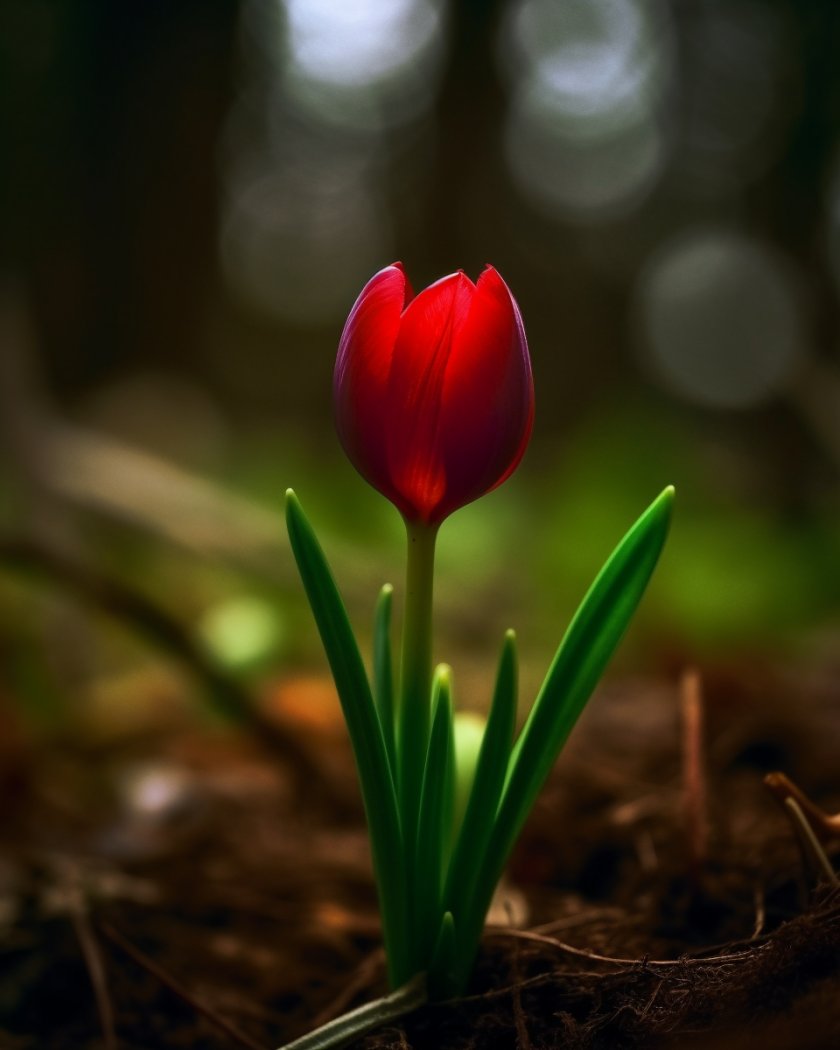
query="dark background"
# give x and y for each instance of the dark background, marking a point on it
(192, 195)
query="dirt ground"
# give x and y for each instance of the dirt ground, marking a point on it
(196, 889)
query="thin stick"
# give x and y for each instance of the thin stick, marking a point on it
(695, 812)
(582, 953)
(826, 826)
(760, 912)
(96, 969)
(810, 841)
(652, 1000)
(811, 824)
(178, 989)
(523, 1040)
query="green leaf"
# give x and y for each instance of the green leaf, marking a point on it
(434, 818)
(383, 672)
(477, 824)
(375, 775)
(350, 1027)
(590, 641)
(442, 978)
(468, 735)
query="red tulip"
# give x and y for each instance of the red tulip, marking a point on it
(434, 396)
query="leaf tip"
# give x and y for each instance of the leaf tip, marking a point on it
(664, 504)
(292, 503)
(443, 675)
(294, 514)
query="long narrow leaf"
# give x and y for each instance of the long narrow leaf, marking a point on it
(487, 786)
(372, 763)
(434, 817)
(383, 673)
(590, 641)
(352, 1026)
(442, 977)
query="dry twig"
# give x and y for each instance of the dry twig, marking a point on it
(178, 989)
(694, 776)
(96, 969)
(141, 614)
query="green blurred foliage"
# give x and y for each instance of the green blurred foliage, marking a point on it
(740, 573)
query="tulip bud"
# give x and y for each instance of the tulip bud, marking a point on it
(434, 397)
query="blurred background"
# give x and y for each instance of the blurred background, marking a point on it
(191, 196)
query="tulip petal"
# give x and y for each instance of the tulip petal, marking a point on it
(488, 395)
(429, 329)
(362, 368)
(433, 394)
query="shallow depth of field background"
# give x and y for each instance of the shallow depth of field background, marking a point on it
(191, 196)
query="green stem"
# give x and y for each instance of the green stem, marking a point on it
(414, 709)
(414, 713)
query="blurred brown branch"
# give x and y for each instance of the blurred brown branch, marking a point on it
(226, 694)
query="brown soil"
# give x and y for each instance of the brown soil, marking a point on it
(195, 891)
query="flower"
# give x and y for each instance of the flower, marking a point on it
(434, 397)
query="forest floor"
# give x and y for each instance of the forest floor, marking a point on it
(193, 889)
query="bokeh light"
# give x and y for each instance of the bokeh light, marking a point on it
(361, 62)
(301, 235)
(720, 319)
(193, 203)
(305, 220)
(586, 136)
